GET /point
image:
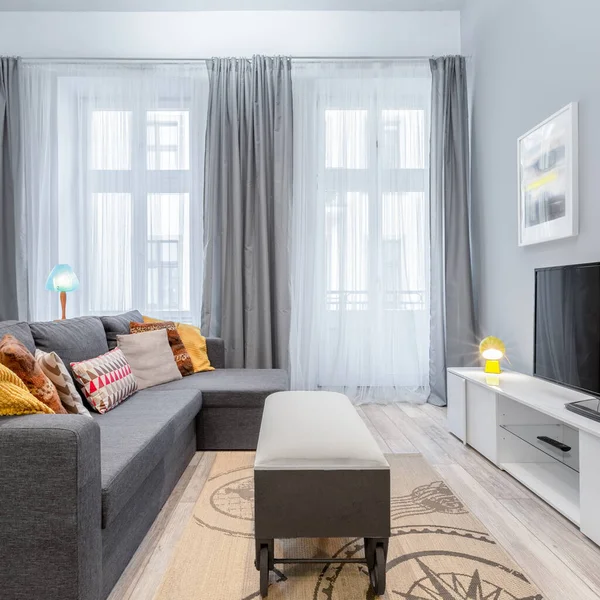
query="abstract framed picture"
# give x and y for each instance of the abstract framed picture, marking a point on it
(548, 179)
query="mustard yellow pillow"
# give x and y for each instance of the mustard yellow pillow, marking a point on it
(16, 399)
(194, 342)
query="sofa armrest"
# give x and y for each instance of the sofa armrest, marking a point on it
(215, 348)
(50, 508)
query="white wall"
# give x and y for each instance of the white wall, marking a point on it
(530, 59)
(206, 34)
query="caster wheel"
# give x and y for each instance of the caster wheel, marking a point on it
(264, 571)
(377, 572)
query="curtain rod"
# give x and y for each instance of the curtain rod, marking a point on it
(200, 60)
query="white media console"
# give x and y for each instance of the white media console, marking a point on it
(503, 423)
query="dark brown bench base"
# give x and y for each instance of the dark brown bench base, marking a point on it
(348, 504)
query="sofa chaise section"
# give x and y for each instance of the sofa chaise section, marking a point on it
(136, 438)
(147, 442)
(232, 404)
(232, 400)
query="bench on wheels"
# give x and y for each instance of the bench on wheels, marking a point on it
(319, 473)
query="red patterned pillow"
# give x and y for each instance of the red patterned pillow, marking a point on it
(106, 380)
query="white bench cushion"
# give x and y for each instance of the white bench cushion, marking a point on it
(315, 430)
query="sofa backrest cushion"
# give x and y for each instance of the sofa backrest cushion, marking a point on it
(21, 331)
(119, 325)
(74, 340)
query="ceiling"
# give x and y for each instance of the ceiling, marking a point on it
(182, 5)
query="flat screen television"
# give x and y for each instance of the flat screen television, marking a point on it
(567, 326)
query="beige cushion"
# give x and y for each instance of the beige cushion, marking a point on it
(55, 370)
(315, 430)
(150, 357)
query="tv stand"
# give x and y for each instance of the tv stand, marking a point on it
(505, 423)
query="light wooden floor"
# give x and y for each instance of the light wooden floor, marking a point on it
(562, 562)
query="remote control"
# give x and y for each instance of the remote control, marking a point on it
(555, 443)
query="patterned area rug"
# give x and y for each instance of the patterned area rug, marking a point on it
(438, 550)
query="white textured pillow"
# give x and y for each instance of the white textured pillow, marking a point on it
(150, 357)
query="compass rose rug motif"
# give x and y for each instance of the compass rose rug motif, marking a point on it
(438, 549)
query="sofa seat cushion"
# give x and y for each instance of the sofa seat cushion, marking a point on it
(135, 437)
(233, 388)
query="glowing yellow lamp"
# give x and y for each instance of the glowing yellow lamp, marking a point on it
(492, 349)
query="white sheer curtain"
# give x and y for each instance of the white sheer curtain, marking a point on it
(114, 160)
(360, 229)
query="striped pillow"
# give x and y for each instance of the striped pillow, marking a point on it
(106, 380)
(55, 370)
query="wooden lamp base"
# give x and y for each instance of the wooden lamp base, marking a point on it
(63, 305)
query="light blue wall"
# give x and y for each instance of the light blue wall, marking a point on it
(528, 58)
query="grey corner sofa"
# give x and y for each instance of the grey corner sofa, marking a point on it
(78, 495)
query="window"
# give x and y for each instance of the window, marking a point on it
(168, 134)
(141, 188)
(168, 252)
(376, 214)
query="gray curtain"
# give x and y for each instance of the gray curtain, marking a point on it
(452, 306)
(247, 202)
(13, 295)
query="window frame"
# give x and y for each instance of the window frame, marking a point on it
(188, 183)
(375, 187)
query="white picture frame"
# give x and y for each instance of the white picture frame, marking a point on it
(548, 157)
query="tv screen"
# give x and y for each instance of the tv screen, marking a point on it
(567, 326)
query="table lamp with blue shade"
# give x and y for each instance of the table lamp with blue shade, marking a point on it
(62, 279)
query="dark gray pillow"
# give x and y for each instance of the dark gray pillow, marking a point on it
(73, 340)
(20, 330)
(119, 325)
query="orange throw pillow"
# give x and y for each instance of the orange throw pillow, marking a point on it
(180, 353)
(15, 356)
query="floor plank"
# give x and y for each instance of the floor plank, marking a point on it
(579, 555)
(437, 413)
(427, 446)
(392, 435)
(378, 438)
(545, 569)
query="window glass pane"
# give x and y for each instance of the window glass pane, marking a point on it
(109, 285)
(168, 140)
(347, 235)
(404, 262)
(111, 140)
(403, 143)
(346, 139)
(168, 135)
(168, 252)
